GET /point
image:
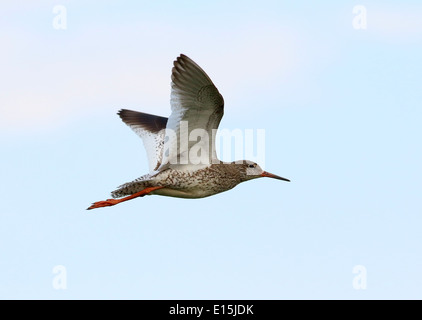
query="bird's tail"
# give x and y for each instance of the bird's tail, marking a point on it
(132, 187)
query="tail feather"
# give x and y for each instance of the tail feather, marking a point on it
(132, 187)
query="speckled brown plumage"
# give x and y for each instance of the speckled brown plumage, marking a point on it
(195, 101)
(201, 183)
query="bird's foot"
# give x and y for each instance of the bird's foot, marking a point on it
(106, 203)
(112, 202)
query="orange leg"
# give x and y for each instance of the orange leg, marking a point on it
(112, 202)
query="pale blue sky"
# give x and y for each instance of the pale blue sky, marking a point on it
(341, 109)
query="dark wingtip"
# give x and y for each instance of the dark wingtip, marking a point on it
(121, 113)
(182, 57)
(181, 60)
(147, 121)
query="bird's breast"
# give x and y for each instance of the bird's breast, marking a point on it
(194, 183)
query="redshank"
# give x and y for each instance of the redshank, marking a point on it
(182, 166)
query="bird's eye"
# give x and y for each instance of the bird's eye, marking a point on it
(251, 166)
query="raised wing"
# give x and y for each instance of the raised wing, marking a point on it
(151, 129)
(197, 108)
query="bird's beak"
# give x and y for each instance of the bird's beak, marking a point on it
(270, 175)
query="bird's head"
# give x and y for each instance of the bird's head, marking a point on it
(250, 170)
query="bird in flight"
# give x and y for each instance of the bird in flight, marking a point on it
(180, 166)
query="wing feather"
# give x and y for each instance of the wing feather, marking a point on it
(195, 104)
(151, 129)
